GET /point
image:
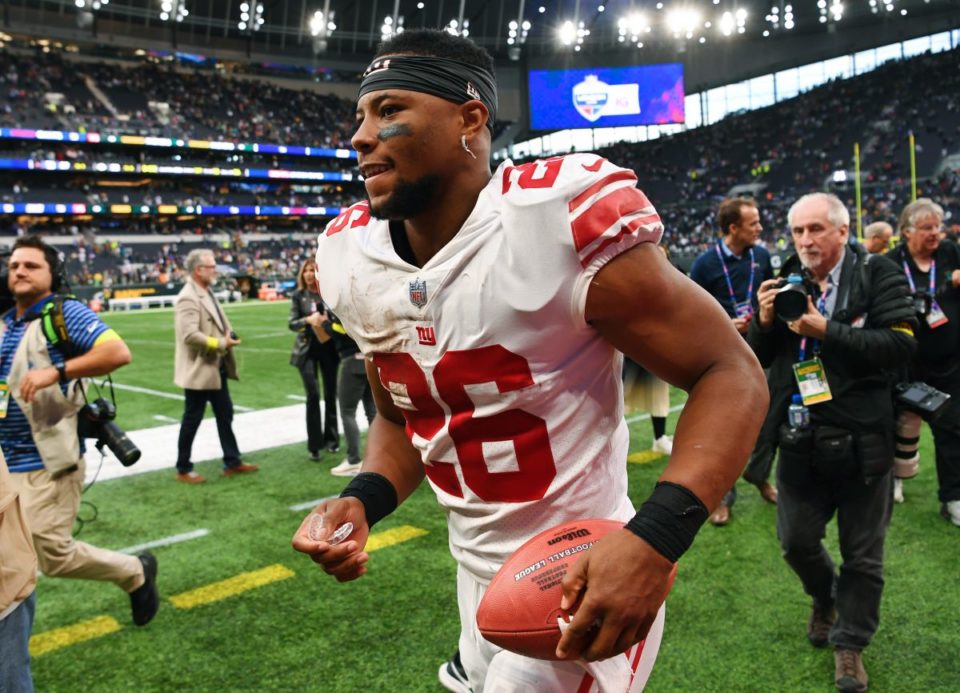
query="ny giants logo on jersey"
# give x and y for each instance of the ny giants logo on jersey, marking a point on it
(418, 292)
(426, 335)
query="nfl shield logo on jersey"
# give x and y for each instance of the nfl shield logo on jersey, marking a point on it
(418, 292)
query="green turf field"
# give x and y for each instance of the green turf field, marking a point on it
(268, 619)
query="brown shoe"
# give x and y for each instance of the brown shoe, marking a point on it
(819, 625)
(721, 516)
(851, 677)
(190, 478)
(768, 492)
(241, 468)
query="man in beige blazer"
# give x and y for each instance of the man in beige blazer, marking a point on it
(202, 364)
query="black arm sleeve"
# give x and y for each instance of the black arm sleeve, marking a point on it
(887, 340)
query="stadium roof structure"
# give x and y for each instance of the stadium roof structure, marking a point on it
(349, 29)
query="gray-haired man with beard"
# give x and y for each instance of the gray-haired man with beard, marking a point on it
(833, 360)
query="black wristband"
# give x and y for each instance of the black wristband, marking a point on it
(62, 372)
(377, 494)
(669, 520)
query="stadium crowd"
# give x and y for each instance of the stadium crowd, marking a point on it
(237, 110)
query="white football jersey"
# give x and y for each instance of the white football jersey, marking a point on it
(514, 402)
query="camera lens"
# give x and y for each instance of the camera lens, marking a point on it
(119, 443)
(790, 302)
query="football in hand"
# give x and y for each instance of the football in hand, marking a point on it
(521, 607)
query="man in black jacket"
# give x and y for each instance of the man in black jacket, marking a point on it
(858, 325)
(932, 267)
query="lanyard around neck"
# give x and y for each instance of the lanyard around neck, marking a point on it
(933, 276)
(726, 275)
(822, 307)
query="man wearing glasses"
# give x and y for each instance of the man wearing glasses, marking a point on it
(932, 266)
(203, 363)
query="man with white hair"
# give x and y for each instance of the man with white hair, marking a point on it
(876, 237)
(837, 457)
(932, 268)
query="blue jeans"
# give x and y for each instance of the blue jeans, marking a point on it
(14, 648)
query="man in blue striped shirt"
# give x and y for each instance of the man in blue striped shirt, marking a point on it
(39, 402)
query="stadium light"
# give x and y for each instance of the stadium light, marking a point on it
(517, 31)
(173, 10)
(683, 20)
(93, 5)
(391, 27)
(632, 27)
(457, 28)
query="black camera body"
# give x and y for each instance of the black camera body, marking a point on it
(922, 302)
(924, 400)
(790, 303)
(95, 420)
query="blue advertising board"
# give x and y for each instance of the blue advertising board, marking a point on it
(606, 96)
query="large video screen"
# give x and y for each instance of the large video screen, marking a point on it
(600, 97)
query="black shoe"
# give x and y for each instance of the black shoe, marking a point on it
(332, 447)
(145, 600)
(315, 455)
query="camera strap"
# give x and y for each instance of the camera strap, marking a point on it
(935, 316)
(54, 326)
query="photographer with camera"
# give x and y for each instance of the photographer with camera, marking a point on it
(932, 268)
(732, 272)
(40, 399)
(830, 336)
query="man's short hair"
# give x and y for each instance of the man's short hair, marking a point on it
(877, 228)
(438, 44)
(919, 208)
(837, 213)
(731, 212)
(195, 257)
(50, 253)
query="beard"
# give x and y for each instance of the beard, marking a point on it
(810, 262)
(408, 199)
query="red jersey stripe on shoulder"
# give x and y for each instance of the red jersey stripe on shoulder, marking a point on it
(629, 229)
(599, 185)
(585, 683)
(603, 214)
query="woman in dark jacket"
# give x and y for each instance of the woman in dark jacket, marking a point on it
(309, 353)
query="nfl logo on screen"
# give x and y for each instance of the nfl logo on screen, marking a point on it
(418, 292)
(589, 97)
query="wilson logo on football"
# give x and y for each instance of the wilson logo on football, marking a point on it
(569, 536)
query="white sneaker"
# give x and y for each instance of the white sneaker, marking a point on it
(346, 468)
(452, 675)
(663, 444)
(951, 511)
(898, 490)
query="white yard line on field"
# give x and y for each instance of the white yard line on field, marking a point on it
(309, 505)
(165, 395)
(166, 541)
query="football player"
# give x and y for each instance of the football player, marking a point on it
(493, 311)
